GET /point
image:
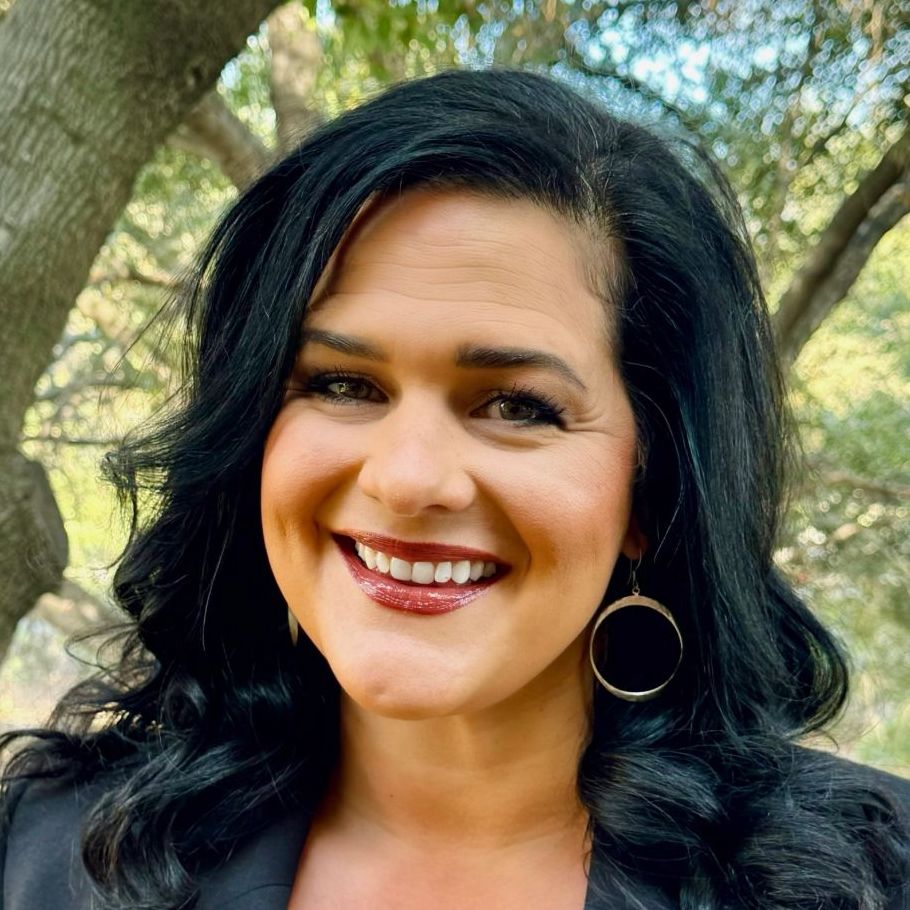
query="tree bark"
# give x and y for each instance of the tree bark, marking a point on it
(88, 90)
(212, 130)
(884, 215)
(34, 547)
(877, 205)
(296, 57)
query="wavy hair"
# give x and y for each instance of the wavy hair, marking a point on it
(701, 793)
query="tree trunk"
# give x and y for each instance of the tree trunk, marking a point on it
(88, 90)
(34, 548)
(863, 218)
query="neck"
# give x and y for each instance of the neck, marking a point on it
(492, 778)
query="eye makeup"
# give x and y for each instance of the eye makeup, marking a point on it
(346, 388)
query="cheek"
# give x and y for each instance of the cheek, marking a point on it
(297, 478)
(573, 511)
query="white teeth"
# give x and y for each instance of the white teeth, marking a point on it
(399, 569)
(461, 571)
(424, 573)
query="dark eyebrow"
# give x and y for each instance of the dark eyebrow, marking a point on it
(466, 356)
(481, 357)
(346, 344)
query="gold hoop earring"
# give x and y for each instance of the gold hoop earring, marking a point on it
(293, 627)
(653, 609)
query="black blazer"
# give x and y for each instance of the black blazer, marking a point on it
(41, 869)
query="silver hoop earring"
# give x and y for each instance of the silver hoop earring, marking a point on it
(654, 609)
(293, 627)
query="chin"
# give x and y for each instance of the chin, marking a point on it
(395, 690)
(399, 699)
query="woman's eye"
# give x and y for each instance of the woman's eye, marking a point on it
(517, 407)
(526, 410)
(348, 388)
(341, 388)
(511, 409)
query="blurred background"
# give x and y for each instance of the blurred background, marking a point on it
(125, 129)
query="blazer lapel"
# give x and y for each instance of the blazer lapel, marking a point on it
(259, 874)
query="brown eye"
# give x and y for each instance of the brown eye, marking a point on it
(348, 388)
(517, 409)
(342, 388)
(525, 409)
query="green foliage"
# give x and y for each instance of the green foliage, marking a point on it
(796, 97)
(244, 85)
(847, 544)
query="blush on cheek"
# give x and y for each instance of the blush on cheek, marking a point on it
(302, 484)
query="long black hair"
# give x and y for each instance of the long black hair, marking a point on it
(209, 719)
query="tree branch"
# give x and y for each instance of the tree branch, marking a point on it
(817, 470)
(56, 393)
(212, 130)
(156, 279)
(296, 57)
(845, 478)
(806, 303)
(73, 440)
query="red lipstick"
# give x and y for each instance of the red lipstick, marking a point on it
(414, 552)
(408, 597)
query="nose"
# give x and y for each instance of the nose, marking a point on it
(414, 461)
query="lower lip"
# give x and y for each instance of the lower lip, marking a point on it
(410, 598)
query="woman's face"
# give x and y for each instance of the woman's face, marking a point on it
(455, 386)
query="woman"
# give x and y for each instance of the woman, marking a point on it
(482, 405)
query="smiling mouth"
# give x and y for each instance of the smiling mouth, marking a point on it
(420, 586)
(424, 572)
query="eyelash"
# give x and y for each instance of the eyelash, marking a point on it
(550, 410)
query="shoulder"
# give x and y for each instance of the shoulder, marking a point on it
(896, 788)
(840, 771)
(40, 854)
(41, 868)
(868, 799)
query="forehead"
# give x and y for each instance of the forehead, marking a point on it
(450, 258)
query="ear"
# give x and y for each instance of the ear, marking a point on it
(634, 543)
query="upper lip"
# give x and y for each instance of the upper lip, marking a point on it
(412, 551)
